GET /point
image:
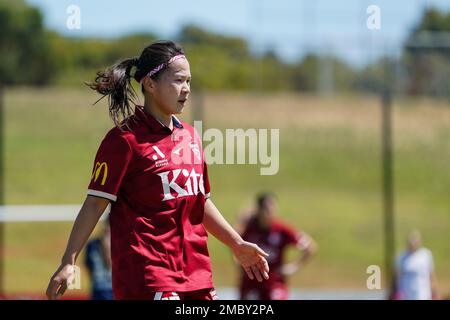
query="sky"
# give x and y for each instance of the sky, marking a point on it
(291, 28)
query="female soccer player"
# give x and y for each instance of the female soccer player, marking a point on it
(150, 167)
(273, 235)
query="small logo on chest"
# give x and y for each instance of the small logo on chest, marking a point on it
(159, 158)
(275, 239)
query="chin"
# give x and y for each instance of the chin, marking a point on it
(178, 110)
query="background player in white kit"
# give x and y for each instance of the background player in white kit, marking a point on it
(415, 278)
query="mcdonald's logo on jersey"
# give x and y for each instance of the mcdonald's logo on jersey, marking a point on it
(98, 169)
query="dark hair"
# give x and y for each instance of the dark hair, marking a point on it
(115, 81)
(262, 197)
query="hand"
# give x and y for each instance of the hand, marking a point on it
(289, 269)
(253, 260)
(58, 283)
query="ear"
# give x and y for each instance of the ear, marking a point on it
(149, 84)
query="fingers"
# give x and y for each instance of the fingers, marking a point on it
(257, 274)
(264, 269)
(52, 289)
(254, 262)
(61, 289)
(255, 271)
(58, 282)
(249, 273)
(264, 265)
(261, 251)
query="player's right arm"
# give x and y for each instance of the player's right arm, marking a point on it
(307, 247)
(90, 213)
(433, 281)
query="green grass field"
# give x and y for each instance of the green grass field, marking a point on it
(329, 182)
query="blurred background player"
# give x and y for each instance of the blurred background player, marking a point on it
(274, 236)
(98, 262)
(415, 278)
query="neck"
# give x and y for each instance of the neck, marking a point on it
(263, 223)
(164, 118)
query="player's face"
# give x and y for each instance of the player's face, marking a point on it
(173, 87)
(414, 241)
(271, 205)
(269, 208)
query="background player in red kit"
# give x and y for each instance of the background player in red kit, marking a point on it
(274, 237)
(150, 167)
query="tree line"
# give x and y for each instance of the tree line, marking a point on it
(32, 55)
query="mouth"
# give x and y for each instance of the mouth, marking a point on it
(182, 101)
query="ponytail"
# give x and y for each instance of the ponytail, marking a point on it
(115, 82)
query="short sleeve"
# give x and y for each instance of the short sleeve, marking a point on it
(299, 239)
(110, 166)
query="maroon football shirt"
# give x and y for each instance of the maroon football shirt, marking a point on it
(274, 241)
(157, 181)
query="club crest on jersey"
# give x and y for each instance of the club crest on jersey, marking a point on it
(275, 239)
(196, 150)
(185, 148)
(192, 185)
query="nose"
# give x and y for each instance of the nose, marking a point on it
(186, 89)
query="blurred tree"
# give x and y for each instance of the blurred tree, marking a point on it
(305, 74)
(373, 77)
(24, 49)
(222, 62)
(194, 35)
(218, 62)
(427, 55)
(77, 59)
(129, 46)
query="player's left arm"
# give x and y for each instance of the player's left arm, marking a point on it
(307, 248)
(249, 255)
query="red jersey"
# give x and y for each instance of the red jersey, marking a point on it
(158, 183)
(274, 241)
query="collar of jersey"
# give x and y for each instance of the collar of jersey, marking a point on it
(154, 123)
